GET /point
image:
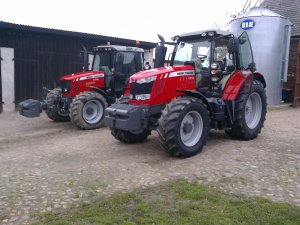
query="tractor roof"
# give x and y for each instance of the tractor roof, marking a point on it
(118, 48)
(203, 33)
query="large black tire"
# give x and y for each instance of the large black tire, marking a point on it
(87, 110)
(53, 112)
(250, 113)
(183, 127)
(129, 137)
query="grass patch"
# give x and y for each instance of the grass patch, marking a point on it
(177, 202)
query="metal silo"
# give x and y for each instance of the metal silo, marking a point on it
(269, 34)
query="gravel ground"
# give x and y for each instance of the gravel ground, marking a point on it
(46, 166)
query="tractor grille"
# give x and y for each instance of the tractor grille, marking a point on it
(65, 86)
(140, 89)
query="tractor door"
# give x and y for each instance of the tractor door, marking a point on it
(245, 56)
(126, 64)
(245, 67)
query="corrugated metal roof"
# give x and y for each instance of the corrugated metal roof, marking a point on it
(287, 8)
(20, 27)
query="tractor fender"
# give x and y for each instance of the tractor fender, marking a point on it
(100, 91)
(235, 83)
(258, 76)
(198, 95)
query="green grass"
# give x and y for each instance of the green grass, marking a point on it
(176, 202)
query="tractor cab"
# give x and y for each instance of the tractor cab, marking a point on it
(118, 63)
(212, 55)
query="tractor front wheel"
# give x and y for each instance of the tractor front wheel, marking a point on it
(87, 110)
(250, 113)
(55, 110)
(130, 137)
(183, 127)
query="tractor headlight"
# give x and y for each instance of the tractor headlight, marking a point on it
(146, 80)
(143, 97)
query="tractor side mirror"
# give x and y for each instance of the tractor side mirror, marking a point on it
(233, 45)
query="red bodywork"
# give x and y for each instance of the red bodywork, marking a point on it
(235, 83)
(83, 81)
(168, 81)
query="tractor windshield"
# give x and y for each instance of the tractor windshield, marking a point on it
(192, 51)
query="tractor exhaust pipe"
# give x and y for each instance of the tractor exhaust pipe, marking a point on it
(160, 53)
(85, 59)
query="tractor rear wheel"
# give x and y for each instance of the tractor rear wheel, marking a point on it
(183, 127)
(130, 137)
(87, 110)
(54, 111)
(250, 113)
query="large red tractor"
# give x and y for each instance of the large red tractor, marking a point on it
(83, 97)
(211, 83)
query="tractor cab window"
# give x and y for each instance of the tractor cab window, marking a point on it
(196, 51)
(246, 55)
(102, 61)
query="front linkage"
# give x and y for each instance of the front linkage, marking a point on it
(54, 104)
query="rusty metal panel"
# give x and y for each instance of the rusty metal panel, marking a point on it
(297, 81)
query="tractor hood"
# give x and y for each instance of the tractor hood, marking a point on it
(88, 74)
(169, 70)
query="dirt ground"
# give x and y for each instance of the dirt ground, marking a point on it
(46, 166)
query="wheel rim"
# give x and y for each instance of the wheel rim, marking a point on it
(253, 110)
(92, 111)
(191, 128)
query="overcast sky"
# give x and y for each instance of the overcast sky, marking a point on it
(133, 19)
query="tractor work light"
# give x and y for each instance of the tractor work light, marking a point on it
(211, 33)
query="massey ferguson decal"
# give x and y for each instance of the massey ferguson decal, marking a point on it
(182, 73)
(92, 76)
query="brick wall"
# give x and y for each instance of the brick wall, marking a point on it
(293, 56)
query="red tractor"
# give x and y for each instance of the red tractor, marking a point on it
(211, 83)
(83, 97)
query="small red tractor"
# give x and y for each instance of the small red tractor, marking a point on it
(211, 83)
(83, 97)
